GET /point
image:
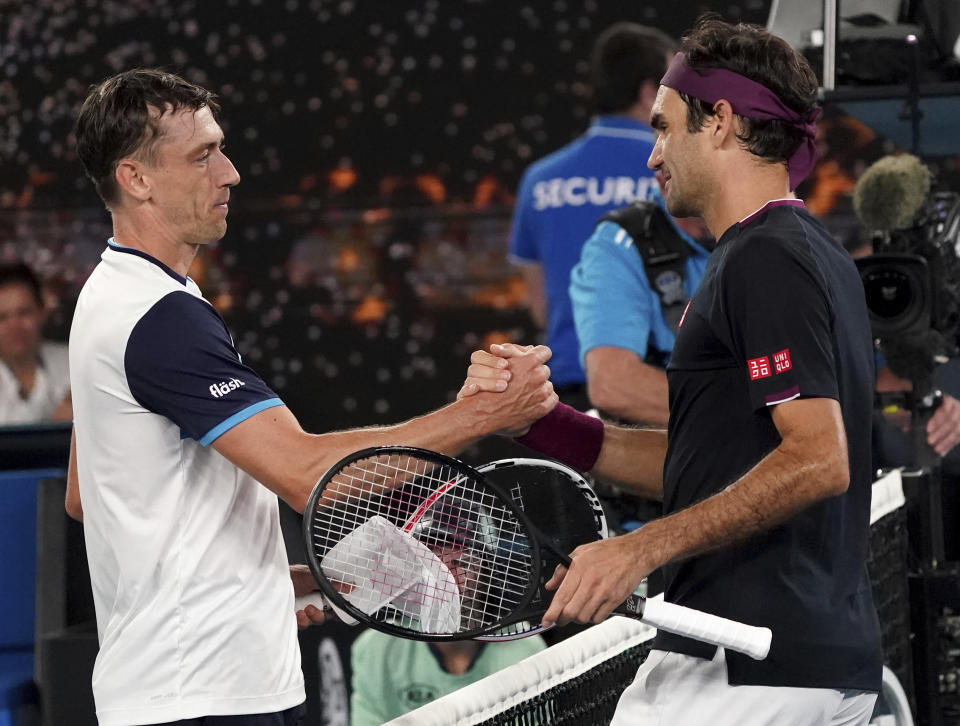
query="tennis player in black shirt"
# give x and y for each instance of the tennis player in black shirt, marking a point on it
(764, 470)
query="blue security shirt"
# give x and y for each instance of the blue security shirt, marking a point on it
(560, 200)
(613, 303)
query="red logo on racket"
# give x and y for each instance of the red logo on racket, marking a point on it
(781, 361)
(758, 368)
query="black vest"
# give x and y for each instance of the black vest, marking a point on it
(664, 253)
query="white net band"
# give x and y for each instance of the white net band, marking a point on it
(501, 691)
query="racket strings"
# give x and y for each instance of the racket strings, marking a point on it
(473, 554)
(558, 500)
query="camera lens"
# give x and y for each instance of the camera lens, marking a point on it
(889, 293)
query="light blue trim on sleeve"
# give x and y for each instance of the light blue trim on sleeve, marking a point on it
(239, 416)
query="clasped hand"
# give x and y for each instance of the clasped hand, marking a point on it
(515, 367)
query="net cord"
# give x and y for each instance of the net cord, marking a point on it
(536, 674)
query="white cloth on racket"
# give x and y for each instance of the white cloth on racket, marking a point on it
(382, 565)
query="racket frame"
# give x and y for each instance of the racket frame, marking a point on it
(588, 494)
(335, 598)
(752, 640)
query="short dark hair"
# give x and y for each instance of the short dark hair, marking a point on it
(115, 120)
(624, 56)
(18, 273)
(769, 60)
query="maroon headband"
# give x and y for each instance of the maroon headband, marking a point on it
(748, 98)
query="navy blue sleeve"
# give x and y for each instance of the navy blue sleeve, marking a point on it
(181, 363)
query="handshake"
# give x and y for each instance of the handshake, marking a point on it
(509, 387)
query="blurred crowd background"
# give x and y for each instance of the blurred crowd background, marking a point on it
(380, 146)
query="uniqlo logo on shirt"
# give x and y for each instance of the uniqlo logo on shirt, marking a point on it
(758, 367)
(781, 361)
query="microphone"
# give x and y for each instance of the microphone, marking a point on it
(891, 193)
(888, 200)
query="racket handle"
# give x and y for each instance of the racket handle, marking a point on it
(314, 598)
(748, 639)
(317, 599)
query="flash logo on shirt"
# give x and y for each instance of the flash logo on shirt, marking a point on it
(217, 390)
(759, 368)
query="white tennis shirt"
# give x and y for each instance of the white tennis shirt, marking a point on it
(193, 596)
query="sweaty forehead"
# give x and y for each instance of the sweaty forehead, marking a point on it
(188, 125)
(667, 101)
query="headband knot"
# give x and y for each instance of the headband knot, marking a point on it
(750, 99)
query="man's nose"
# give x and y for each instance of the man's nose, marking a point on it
(655, 159)
(231, 177)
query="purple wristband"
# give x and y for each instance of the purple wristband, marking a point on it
(567, 435)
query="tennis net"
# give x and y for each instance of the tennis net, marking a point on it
(576, 682)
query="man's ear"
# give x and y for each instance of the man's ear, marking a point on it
(130, 177)
(725, 123)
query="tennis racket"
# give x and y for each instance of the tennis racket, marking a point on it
(423, 546)
(556, 499)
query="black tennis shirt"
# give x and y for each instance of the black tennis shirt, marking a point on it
(780, 314)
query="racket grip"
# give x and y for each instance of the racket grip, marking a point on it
(317, 599)
(314, 598)
(743, 638)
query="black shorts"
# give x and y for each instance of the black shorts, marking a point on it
(290, 717)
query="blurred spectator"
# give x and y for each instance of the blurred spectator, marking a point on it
(562, 196)
(392, 676)
(34, 373)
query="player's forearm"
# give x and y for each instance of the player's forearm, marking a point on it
(273, 448)
(634, 459)
(290, 463)
(630, 399)
(448, 430)
(782, 484)
(621, 385)
(637, 406)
